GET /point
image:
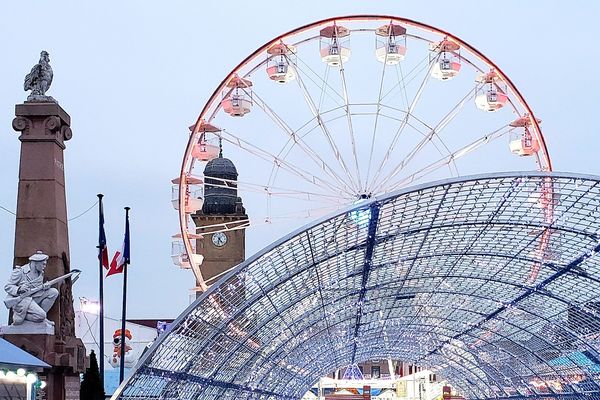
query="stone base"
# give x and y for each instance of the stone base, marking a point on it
(38, 98)
(28, 328)
(60, 385)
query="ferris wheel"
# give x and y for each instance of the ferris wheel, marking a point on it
(346, 108)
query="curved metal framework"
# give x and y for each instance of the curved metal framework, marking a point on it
(449, 276)
(338, 132)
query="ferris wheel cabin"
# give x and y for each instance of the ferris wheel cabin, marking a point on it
(332, 49)
(523, 143)
(388, 48)
(193, 197)
(179, 256)
(492, 96)
(448, 64)
(237, 97)
(278, 66)
(207, 146)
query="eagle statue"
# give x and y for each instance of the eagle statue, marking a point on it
(39, 80)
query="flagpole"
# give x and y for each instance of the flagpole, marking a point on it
(101, 289)
(126, 256)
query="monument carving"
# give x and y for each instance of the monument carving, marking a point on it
(67, 328)
(39, 80)
(30, 298)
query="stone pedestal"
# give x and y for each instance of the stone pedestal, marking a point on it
(28, 328)
(42, 225)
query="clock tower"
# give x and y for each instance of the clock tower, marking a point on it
(222, 220)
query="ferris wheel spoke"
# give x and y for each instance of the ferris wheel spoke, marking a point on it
(318, 80)
(284, 153)
(408, 78)
(298, 141)
(424, 133)
(268, 219)
(446, 150)
(271, 190)
(403, 112)
(349, 120)
(451, 158)
(435, 139)
(403, 124)
(434, 132)
(401, 79)
(323, 90)
(307, 127)
(307, 213)
(281, 163)
(337, 154)
(377, 113)
(224, 226)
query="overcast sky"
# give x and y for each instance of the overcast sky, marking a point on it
(134, 75)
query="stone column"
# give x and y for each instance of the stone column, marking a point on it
(42, 225)
(41, 203)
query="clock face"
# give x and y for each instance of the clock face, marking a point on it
(219, 239)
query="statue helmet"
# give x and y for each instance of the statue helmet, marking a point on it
(38, 256)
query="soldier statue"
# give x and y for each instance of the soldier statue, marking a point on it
(28, 296)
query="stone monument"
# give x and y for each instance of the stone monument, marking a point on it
(41, 224)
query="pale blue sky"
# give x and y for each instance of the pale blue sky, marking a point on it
(134, 75)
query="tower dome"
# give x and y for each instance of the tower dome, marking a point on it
(220, 193)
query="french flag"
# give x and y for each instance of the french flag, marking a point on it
(102, 247)
(121, 257)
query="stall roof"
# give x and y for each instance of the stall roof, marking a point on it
(12, 355)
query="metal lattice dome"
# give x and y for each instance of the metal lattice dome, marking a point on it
(492, 282)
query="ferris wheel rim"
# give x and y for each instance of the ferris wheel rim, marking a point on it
(544, 162)
(375, 17)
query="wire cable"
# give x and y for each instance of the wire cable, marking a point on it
(70, 219)
(7, 210)
(85, 212)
